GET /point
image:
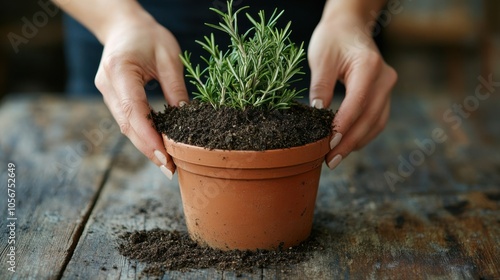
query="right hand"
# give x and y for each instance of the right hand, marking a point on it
(136, 51)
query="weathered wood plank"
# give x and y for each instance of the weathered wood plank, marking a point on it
(432, 225)
(136, 196)
(436, 223)
(463, 162)
(406, 236)
(61, 161)
(441, 221)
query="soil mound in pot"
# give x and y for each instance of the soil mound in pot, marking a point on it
(256, 129)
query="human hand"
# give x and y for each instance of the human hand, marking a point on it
(136, 51)
(340, 49)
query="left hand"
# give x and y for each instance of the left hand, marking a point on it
(339, 49)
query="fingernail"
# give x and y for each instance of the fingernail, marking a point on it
(182, 103)
(161, 157)
(166, 171)
(335, 140)
(334, 162)
(317, 103)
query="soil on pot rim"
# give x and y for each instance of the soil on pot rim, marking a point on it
(199, 124)
(163, 250)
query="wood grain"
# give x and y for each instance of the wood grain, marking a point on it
(441, 221)
(136, 196)
(57, 180)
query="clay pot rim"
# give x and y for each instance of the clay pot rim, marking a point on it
(248, 158)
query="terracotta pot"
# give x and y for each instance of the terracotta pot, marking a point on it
(248, 199)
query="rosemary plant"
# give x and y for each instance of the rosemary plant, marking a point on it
(257, 69)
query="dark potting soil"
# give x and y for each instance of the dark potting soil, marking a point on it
(199, 124)
(163, 250)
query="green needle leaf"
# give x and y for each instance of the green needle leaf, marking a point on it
(257, 69)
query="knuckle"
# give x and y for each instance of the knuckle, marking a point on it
(321, 86)
(357, 104)
(372, 59)
(127, 106)
(177, 87)
(112, 63)
(360, 98)
(124, 127)
(100, 82)
(392, 76)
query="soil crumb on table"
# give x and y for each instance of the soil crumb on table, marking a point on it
(163, 250)
(256, 129)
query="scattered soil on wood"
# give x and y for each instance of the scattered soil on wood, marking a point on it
(163, 250)
(257, 129)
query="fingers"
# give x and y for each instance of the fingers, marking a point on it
(360, 81)
(124, 95)
(170, 73)
(378, 127)
(323, 78)
(371, 118)
(323, 64)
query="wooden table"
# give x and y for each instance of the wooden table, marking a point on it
(80, 183)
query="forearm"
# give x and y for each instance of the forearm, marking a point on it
(361, 9)
(101, 16)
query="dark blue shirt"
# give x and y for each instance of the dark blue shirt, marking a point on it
(185, 19)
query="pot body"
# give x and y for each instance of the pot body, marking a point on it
(248, 200)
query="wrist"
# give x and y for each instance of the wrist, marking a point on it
(126, 17)
(351, 11)
(102, 18)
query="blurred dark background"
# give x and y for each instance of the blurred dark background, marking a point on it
(38, 65)
(436, 46)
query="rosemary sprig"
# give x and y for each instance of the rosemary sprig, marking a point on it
(257, 69)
